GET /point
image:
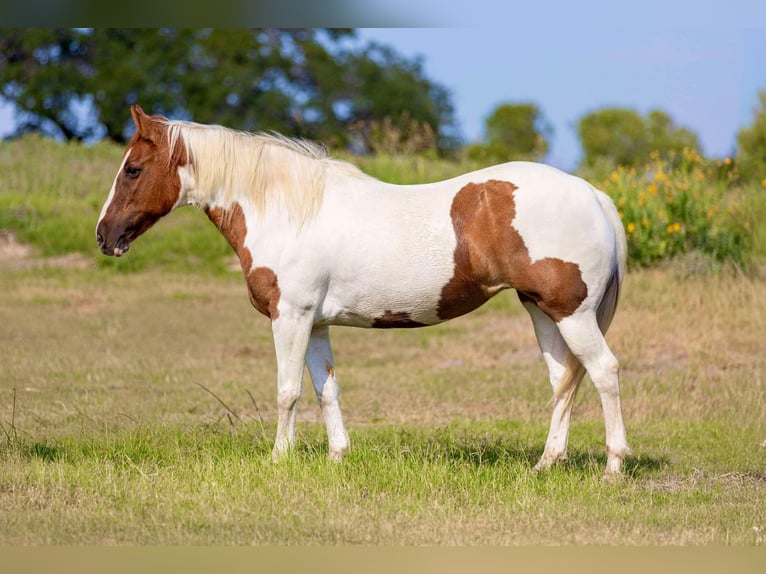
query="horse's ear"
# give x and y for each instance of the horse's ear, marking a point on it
(145, 126)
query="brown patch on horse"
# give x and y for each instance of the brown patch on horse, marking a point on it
(490, 255)
(329, 368)
(390, 320)
(262, 283)
(264, 291)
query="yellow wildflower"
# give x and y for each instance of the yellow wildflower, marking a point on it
(727, 161)
(673, 228)
(615, 177)
(631, 227)
(652, 189)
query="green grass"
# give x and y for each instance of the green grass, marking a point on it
(460, 484)
(110, 439)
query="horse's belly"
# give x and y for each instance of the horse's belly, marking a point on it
(404, 304)
(382, 305)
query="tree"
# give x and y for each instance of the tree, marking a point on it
(667, 138)
(619, 136)
(272, 79)
(386, 86)
(131, 66)
(46, 73)
(751, 143)
(513, 132)
(302, 82)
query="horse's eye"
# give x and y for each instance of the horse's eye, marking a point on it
(132, 171)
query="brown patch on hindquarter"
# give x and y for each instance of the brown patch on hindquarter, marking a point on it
(390, 320)
(491, 255)
(262, 283)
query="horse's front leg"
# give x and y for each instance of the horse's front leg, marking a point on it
(291, 334)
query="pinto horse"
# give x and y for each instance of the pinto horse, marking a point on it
(321, 243)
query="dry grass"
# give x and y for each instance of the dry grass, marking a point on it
(113, 440)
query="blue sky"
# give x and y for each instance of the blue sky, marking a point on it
(702, 62)
(706, 78)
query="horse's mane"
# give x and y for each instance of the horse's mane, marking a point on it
(264, 168)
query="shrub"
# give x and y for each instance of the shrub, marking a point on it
(696, 206)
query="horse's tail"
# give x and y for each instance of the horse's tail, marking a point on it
(574, 371)
(609, 300)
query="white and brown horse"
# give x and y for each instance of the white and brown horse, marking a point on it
(322, 244)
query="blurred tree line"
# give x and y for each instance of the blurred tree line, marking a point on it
(313, 83)
(614, 137)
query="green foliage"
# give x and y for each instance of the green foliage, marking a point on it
(409, 169)
(301, 82)
(751, 144)
(682, 205)
(513, 132)
(128, 66)
(389, 87)
(622, 137)
(41, 71)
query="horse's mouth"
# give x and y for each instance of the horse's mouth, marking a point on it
(121, 246)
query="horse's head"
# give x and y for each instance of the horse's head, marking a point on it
(146, 187)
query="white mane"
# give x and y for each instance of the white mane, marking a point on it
(264, 168)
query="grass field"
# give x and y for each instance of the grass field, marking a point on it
(137, 401)
(110, 437)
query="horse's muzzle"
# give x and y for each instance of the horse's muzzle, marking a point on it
(118, 248)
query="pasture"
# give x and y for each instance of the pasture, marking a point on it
(137, 403)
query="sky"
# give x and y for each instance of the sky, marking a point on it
(702, 62)
(707, 79)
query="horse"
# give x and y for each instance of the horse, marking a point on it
(321, 243)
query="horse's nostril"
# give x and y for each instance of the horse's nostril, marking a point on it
(100, 239)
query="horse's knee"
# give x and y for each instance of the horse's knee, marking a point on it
(287, 398)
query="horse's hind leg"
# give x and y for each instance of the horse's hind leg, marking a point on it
(322, 370)
(565, 372)
(584, 338)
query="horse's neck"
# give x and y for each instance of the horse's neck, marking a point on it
(231, 223)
